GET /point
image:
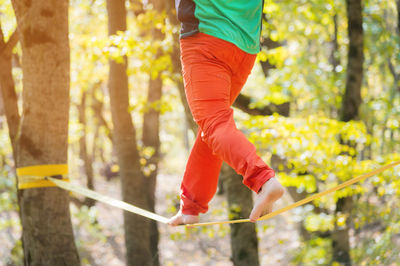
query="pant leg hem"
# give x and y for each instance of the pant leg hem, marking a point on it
(189, 207)
(257, 182)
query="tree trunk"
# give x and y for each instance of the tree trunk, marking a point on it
(85, 157)
(334, 58)
(151, 138)
(352, 97)
(137, 228)
(244, 242)
(43, 137)
(350, 111)
(8, 94)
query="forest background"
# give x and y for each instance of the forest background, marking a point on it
(97, 84)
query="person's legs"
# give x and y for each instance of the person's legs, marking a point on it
(214, 78)
(208, 67)
(200, 180)
(199, 183)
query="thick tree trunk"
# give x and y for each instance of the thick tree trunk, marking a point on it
(350, 111)
(134, 191)
(43, 137)
(244, 242)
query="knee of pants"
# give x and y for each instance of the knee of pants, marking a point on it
(215, 129)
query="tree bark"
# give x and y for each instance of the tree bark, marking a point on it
(350, 111)
(43, 133)
(151, 137)
(355, 58)
(134, 191)
(85, 157)
(244, 242)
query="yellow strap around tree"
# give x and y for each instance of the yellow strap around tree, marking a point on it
(33, 176)
(306, 200)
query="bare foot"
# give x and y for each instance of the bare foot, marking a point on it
(270, 192)
(181, 218)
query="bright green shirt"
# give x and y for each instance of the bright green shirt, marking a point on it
(235, 21)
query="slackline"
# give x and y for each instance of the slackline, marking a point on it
(131, 208)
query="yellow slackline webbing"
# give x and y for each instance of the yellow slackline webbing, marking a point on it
(306, 200)
(40, 173)
(110, 201)
(41, 176)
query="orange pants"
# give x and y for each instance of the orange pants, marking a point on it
(214, 72)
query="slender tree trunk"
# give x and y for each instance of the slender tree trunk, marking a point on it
(85, 157)
(9, 96)
(151, 138)
(134, 191)
(334, 58)
(244, 242)
(352, 97)
(350, 111)
(98, 106)
(43, 137)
